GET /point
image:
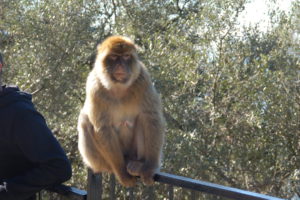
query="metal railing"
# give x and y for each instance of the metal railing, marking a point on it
(94, 189)
(71, 193)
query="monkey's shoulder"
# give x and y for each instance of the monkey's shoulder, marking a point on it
(93, 84)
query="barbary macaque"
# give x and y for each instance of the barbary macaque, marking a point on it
(121, 125)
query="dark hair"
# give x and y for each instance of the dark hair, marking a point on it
(1, 63)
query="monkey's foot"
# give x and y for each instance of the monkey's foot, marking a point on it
(127, 180)
(147, 173)
(134, 168)
(147, 177)
(130, 182)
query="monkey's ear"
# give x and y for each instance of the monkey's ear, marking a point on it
(138, 48)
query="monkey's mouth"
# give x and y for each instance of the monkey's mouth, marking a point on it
(120, 76)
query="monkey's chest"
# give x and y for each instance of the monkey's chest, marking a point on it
(124, 116)
(123, 119)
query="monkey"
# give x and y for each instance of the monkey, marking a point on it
(121, 126)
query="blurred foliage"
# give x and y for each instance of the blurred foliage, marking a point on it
(231, 94)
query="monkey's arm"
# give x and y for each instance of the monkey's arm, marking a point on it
(153, 128)
(154, 137)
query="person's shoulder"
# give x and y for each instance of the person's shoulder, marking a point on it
(20, 101)
(23, 106)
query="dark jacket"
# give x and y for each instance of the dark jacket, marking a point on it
(31, 158)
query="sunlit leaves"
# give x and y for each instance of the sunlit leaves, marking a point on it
(231, 98)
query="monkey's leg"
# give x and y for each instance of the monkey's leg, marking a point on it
(110, 148)
(87, 146)
(91, 156)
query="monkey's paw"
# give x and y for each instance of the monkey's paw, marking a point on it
(134, 168)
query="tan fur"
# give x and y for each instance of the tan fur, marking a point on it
(121, 127)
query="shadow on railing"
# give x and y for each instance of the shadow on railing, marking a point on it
(95, 188)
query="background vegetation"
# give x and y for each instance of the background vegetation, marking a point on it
(231, 94)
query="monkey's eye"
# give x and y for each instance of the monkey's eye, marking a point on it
(126, 57)
(113, 57)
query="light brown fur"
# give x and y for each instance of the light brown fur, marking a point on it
(121, 126)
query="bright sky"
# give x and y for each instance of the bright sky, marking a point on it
(257, 12)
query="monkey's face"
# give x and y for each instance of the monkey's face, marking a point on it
(119, 66)
(117, 62)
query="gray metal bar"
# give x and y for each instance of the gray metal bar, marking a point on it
(70, 192)
(171, 192)
(211, 188)
(94, 188)
(112, 187)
